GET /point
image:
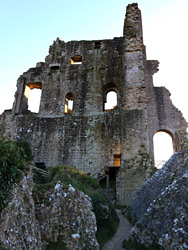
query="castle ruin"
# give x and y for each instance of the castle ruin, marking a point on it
(116, 144)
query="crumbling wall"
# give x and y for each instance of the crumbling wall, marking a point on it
(135, 141)
(162, 114)
(99, 67)
(87, 136)
(85, 142)
(6, 124)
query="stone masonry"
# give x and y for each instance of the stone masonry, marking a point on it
(117, 142)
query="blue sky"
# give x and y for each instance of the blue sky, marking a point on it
(28, 28)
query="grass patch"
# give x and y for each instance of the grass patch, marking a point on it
(127, 212)
(133, 245)
(59, 245)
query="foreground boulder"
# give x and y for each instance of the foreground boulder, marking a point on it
(19, 228)
(173, 169)
(64, 219)
(161, 206)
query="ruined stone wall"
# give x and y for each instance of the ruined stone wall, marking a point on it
(135, 140)
(85, 142)
(87, 136)
(6, 124)
(162, 114)
(100, 68)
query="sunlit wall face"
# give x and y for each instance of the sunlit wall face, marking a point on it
(163, 148)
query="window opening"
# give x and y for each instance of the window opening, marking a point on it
(54, 68)
(34, 100)
(76, 60)
(111, 101)
(69, 103)
(97, 45)
(163, 148)
(33, 95)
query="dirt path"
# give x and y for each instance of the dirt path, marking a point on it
(122, 233)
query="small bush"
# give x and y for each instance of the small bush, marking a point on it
(25, 150)
(106, 216)
(71, 175)
(12, 163)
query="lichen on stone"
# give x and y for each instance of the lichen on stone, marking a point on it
(63, 218)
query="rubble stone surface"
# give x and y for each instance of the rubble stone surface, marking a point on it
(65, 219)
(161, 206)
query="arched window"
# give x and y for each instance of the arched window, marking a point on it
(163, 147)
(69, 103)
(110, 100)
(33, 95)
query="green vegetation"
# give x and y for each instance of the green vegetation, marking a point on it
(26, 152)
(58, 245)
(13, 160)
(107, 220)
(133, 245)
(127, 212)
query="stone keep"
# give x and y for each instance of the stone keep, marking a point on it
(116, 144)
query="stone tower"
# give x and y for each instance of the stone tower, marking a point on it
(113, 144)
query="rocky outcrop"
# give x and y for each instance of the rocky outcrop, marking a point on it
(162, 206)
(64, 218)
(19, 228)
(173, 169)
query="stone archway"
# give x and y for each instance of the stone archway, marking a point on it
(164, 147)
(110, 97)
